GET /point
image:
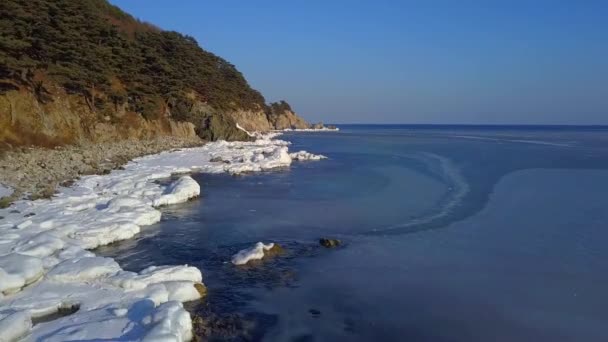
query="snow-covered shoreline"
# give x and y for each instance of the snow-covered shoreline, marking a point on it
(324, 129)
(5, 190)
(45, 265)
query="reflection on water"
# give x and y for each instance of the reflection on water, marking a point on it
(452, 233)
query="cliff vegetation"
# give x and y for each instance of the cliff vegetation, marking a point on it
(84, 69)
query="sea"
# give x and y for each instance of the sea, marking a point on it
(448, 233)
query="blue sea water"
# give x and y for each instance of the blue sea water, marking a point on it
(450, 233)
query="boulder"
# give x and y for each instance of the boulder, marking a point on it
(329, 243)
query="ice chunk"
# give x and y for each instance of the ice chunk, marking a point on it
(304, 155)
(179, 191)
(15, 325)
(83, 269)
(156, 274)
(254, 253)
(18, 270)
(40, 245)
(170, 323)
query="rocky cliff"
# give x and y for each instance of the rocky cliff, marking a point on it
(84, 70)
(281, 116)
(24, 120)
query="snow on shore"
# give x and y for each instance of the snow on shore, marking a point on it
(324, 129)
(5, 190)
(45, 265)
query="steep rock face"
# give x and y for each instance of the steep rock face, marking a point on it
(281, 116)
(288, 119)
(67, 119)
(252, 120)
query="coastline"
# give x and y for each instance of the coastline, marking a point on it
(46, 267)
(324, 129)
(36, 172)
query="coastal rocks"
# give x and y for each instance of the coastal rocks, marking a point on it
(220, 126)
(276, 250)
(318, 125)
(288, 119)
(219, 159)
(251, 120)
(226, 327)
(201, 289)
(257, 252)
(329, 243)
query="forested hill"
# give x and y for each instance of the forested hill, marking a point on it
(91, 57)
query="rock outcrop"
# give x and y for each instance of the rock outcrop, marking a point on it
(329, 243)
(289, 119)
(281, 116)
(24, 120)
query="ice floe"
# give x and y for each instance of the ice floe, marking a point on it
(254, 253)
(303, 155)
(46, 265)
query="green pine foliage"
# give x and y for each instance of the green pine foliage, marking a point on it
(278, 108)
(89, 46)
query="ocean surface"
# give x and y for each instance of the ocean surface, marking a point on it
(450, 233)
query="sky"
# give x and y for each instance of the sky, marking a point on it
(432, 62)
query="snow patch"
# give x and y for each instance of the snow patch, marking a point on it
(5, 190)
(254, 253)
(45, 264)
(324, 129)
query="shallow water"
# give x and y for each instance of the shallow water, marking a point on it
(450, 234)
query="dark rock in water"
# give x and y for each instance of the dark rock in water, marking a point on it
(201, 288)
(329, 243)
(221, 327)
(274, 251)
(315, 312)
(318, 125)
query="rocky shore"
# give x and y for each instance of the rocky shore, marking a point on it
(54, 288)
(36, 172)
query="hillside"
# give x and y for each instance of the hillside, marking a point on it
(74, 70)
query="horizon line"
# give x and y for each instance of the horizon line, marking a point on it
(469, 124)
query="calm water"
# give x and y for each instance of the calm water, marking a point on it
(451, 234)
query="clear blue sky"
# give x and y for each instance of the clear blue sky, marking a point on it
(346, 61)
